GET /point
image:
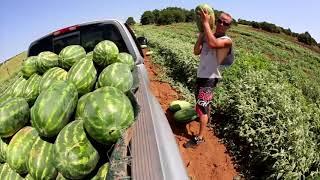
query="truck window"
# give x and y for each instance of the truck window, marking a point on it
(60, 42)
(44, 44)
(92, 35)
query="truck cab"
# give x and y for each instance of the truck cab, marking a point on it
(151, 146)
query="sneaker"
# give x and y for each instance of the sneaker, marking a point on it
(193, 142)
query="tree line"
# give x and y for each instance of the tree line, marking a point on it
(171, 15)
(305, 38)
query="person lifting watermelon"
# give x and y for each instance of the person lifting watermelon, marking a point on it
(215, 49)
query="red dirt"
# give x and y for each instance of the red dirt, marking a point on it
(210, 159)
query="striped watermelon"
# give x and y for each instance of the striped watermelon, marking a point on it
(17, 87)
(105, 53)
(28, 177)
(83, 75)
(14, 114)
(71, 54)
(3, 150)
(19, 149)
(6, 173)
(5, 95)
(29, 66)
(60, 177)
(116, 75)
(51, 75)
(54, 108)
(102, 172)
(211, 15)
(90, 55)
(32, 88)
(80, 106)
(126, 58)
(75, 157)
(46, 61)
(41, 160)
(107, 113)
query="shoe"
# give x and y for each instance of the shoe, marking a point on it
(193, 142)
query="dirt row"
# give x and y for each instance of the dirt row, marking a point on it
(209, 160)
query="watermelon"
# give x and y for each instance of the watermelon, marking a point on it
(28, 177)
(3, 150)
(75, 157)
(46, 61)
(54, 108)
(117, 75)
(80, 105)
(60, 177)
(32, 88)
(71, 54)
(210, 12)
(107, 113)
(105, 53)
(5, 95)
(29, 66)
(126, 58)
(178, 105)
(17, 87)
(185, 115)
(102, 172)
(90, 55)
(83, 75)
(19, 149)
(14, 114)
(41, 160)
(6, 173)
(51, 75)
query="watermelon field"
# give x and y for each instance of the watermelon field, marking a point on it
(269, 99)
(62, 114)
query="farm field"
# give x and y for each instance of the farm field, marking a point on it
(268, 100)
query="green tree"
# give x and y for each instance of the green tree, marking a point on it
(147, 18)
(130, 21)
(306, 38)
(156, 14)
(190, 16)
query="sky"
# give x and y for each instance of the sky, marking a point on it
(22, 22)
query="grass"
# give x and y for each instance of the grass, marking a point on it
(269, 99)
(12, 66)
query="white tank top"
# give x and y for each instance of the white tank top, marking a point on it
(209, 63)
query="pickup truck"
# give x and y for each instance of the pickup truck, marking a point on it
(152, 146)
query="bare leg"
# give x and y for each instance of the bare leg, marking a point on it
(203, 124)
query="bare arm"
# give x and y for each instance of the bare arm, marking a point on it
(198, 46)
(213, 42)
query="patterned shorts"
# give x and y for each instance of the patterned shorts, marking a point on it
(204, 94)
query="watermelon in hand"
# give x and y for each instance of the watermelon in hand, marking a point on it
(210, 11)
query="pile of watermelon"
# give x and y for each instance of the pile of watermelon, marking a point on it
(59, 118)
